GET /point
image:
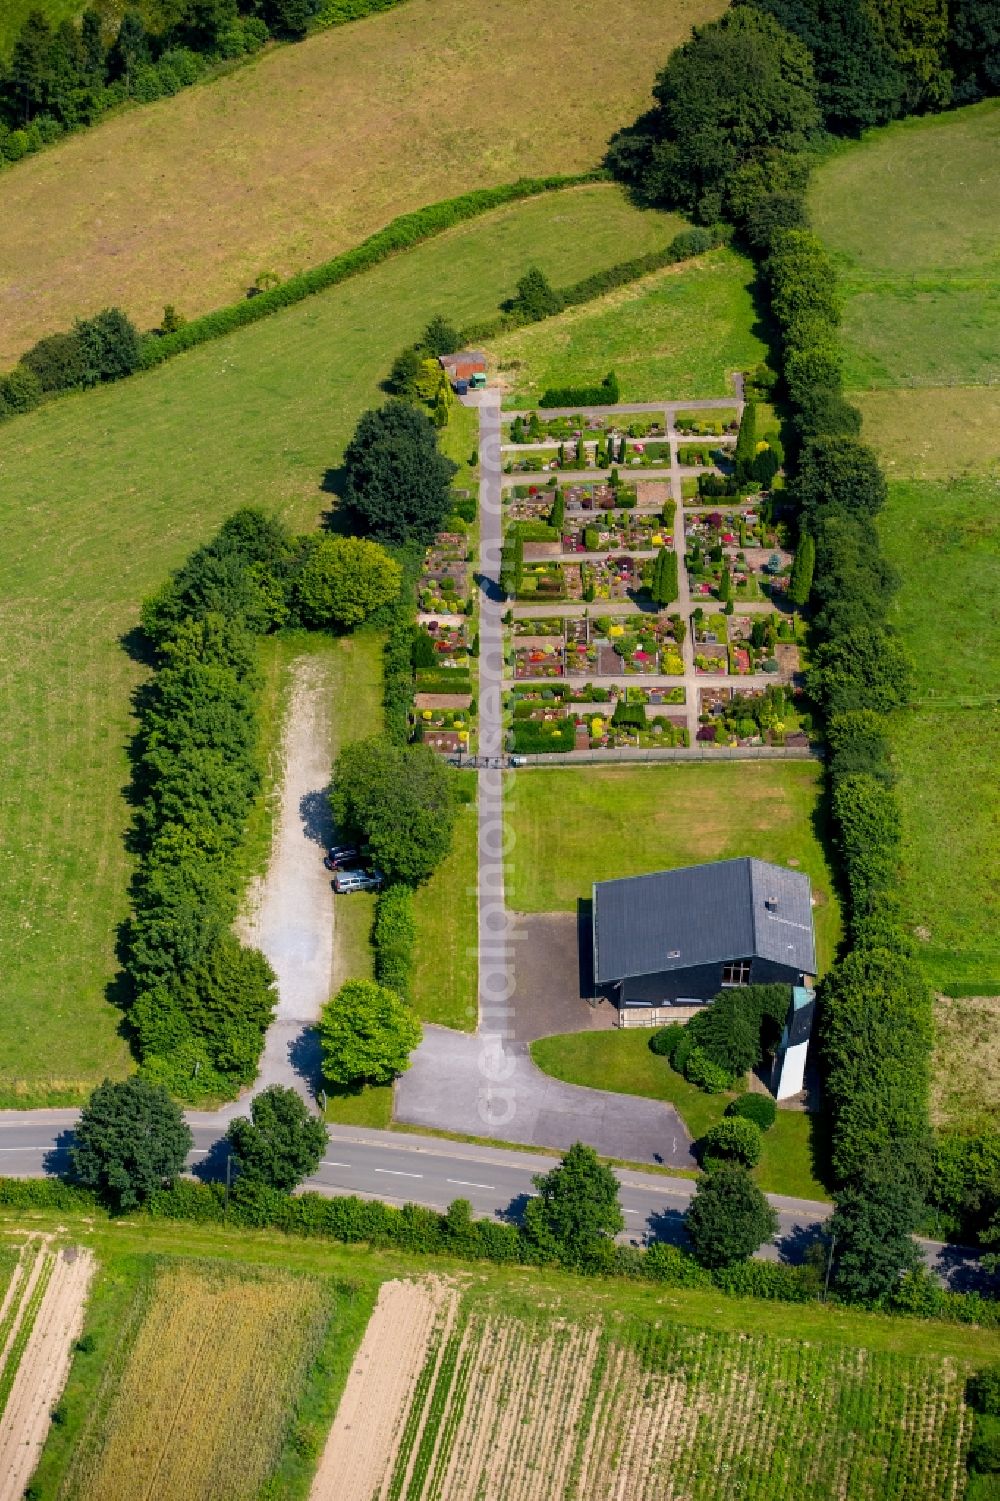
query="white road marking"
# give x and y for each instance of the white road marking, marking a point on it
(631, 1211)
(395, 1173)
(462, 1183)
(327, 1163)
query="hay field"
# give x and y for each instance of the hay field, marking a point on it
(310, 148)
(195, 1402)
(540, 1407)
(103, 493)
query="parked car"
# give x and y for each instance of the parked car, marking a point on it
(357, 880)
(341, 855)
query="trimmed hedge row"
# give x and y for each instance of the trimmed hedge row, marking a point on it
(401, 233)
(394, 934)
(414, 1229)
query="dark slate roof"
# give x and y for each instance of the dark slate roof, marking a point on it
(703, 914)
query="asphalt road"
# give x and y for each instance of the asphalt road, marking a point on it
(407, 1168)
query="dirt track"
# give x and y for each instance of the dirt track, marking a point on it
(360, 1452)
(43, 1369)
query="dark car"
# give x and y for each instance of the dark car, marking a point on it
(341, 855)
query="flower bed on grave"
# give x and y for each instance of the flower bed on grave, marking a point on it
(707, 424)
(542, 730)
(538, 659)
(443, 585)
(754, 716)
(548, 581)
(446, 729)
(599, 496)
(623, 530)
(546, 626)
(646, 455)
(611, 578)
(529, 502)
(535, 429)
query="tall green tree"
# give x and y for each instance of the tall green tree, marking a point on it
(400, 800)
(576, 1213)
(739, 93)
(800, 583)
(870, 1237)
(130, 1140)
(397, 481)
(131, 49)
(281, 1143)
(536, 298)
(729, 1218)
(368, 1033)
(875, 1037)
(344, 581)
(858, 77)
(29, 76)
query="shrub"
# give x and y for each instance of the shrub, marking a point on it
(732, 1140)
(984, 1390)
(984, 1450)
(729, 1218)
(606, 394)
(401, 800)
(759, 1108)
(665, 1041)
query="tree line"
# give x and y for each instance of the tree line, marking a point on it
(200, 1002)
(66, 76)
(738, 113)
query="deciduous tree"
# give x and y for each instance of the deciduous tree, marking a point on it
(729, 1218)
(281, 1143)
(130, 1140)
(368, 1033)
(397, 482)
(401, 800)
(576, 1212)
(344, 581)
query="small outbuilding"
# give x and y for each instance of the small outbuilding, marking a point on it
(678, 937)
(466, 367)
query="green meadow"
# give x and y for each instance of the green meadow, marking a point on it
(102, 494)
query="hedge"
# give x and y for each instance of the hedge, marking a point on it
(415, 1229)
(401, 233)
(394, 934)
(606, 394)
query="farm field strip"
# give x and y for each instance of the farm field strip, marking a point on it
(196, 1339)
(537, 1408)
(404, 1333)
(31, 1385)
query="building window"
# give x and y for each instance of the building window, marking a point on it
(737, 973)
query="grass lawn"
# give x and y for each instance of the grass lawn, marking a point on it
(944, 540)
(14, 13)
(937, 433)
(309, 148)
(620, 1060)
(965, 1090)
(680, 333)
(922, 283)
(104, 493)
(567, 830)
(446, 972)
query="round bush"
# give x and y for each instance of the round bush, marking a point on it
(733, 1140)
(701, 1070)
(984, 1390)
(759, 1108)
(664, 1042)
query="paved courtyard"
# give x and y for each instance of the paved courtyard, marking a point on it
(482, 1086)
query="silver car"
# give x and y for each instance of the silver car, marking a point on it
(357, 880)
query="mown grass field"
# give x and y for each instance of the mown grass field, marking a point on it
(922, 282)
(104, 493)
(310, 148)
(792, 1161)
(567, 830)
(679, 332)
(944, 539)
